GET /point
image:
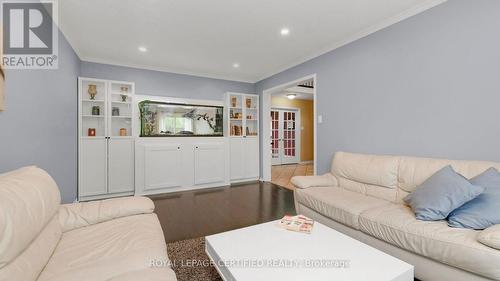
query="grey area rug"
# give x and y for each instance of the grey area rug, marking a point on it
(190, 262)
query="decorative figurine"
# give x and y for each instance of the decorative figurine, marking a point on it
(96, 110)
(91, 132)
(233, 101)
(124, 98)
(249, 103)
(123, 132)
(92, 91)
(115, 111)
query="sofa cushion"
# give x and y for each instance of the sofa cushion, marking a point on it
(28, 265)
(440, 194)
(339, 204)
(396, 224)
(29, 199)
(481, 212)
(490, 237)
(413, 171)
(374, 175)
(76, 215)
(312, 181)
(108, 250)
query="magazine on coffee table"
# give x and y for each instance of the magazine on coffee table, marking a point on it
(297, 223)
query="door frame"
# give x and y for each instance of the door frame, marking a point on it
(266, 121)
(298, 127)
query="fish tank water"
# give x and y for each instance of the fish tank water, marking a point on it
(163, 119)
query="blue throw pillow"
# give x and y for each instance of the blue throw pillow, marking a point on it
(484, 210)
(440, 194)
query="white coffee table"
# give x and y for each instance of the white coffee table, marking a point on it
(268, 253)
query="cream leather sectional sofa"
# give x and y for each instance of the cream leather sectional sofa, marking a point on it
(362, 197)
(40, 239)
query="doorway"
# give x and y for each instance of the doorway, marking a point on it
(285, 136)
(289, 131)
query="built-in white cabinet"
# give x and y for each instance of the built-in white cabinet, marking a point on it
(169, 164)
(93, 163)
(120, 165)
(162, 166)
(106, 147)
(207, 163)
(243, 132)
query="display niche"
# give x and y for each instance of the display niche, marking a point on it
(163, 119)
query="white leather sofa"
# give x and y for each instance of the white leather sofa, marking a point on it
(362, 197)
(40, 239)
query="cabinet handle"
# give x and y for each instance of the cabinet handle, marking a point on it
(178, 147)
(196, 147)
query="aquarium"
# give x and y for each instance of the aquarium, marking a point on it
(163, 119)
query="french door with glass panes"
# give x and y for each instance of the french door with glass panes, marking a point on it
(285, 136)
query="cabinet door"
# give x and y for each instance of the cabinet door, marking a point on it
(162, 166)
(209, 163)
(237, 157)
(93, 164)
(121, 165)
(251, 157)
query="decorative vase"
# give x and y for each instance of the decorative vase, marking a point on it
(115, 111)
(92, 91)
(249, 103)
(96, 110)
(123, 132)
(233, 101)
(91, 132)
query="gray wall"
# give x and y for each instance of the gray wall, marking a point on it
(427, 86)
(149, 82)
(38, 126)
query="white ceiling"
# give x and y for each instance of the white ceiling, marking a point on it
(206, 38)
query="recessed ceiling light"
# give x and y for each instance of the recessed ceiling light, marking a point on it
(284, 31)
(236, 65)
(142, 49)
(291, 96)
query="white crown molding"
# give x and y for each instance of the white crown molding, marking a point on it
(165, 69)
(370, 30)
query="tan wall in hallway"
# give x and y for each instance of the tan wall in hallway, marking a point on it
(307, 122)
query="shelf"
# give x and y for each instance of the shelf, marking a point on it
(90, 138)
(93, 116)
(92, 100)
(121, 102)
(121, 137)
(252, 119)
(235, 107)
(119, 94)
(121, 116)
(236, 119)
(251, 108)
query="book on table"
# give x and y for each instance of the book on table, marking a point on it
(297, 223)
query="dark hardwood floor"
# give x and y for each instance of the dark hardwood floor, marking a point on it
(192, 214)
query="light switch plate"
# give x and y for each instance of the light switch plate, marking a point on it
(320, 119)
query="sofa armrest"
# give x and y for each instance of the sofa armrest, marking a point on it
(76, 215)
(312, 181)
(490, 237)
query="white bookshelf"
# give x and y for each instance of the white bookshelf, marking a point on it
(242, 117)
(106, 158)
